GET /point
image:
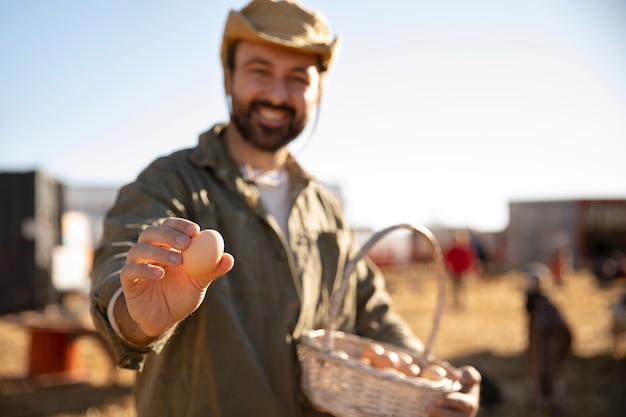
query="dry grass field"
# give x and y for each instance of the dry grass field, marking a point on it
(489, 333)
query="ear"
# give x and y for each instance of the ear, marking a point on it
(228, 81)
(320, 88)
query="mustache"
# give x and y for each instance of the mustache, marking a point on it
(282, 107)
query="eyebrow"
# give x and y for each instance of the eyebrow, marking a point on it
(263, 61)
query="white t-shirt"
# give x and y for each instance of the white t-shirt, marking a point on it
(273, 189)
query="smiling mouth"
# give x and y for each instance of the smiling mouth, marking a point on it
(272, 114)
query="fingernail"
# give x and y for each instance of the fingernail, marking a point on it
(182, 240)
(175, 257)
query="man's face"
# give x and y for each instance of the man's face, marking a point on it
(274, 91)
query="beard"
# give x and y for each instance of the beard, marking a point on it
(264, 137)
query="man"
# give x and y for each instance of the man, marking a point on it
(226, 347)
(461, 259)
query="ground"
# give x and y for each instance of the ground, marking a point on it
(489, 333)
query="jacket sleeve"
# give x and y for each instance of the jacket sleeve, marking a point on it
(146, 201)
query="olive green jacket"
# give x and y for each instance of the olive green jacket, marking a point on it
(236, 356)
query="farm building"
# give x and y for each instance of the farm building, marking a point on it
(588, 229)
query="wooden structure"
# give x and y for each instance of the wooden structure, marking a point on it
(53, 341)
(30, 227)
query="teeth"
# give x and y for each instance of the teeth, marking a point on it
(272, 114)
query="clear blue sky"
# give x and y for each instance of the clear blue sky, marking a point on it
(437, 112)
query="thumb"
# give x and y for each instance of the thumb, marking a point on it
(470, 377)
(225, 264)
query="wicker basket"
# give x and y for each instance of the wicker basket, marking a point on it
(347, 387)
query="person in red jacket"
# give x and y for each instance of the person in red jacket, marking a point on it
(460, 259)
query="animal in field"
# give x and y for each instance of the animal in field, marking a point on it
(608, 267)
(549, 346)
(618, 324)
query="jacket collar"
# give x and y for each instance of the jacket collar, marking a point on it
(211, 153)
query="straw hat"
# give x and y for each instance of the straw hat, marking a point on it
(280, 22)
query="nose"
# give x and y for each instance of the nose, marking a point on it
(277, 91)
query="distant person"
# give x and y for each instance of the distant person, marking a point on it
(482, 254)
(461, 260)
(226, 347)
(562, 265)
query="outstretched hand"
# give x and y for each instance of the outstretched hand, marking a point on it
(463, 403)
(157, 291)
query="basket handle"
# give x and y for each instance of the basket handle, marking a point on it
(339, 294)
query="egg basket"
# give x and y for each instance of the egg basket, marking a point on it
(347, 387)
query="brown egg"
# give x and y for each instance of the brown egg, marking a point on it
(405, 358)
(371, 353)
(433, 372)
(203, 253)
(379, 357)
(364, 361)
(410, 369)
(407, 366)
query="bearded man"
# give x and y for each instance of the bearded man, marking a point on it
(204, 346)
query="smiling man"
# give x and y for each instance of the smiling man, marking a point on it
(272, 93)
(204, 346)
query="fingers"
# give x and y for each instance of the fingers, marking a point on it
(470, 377)
(182, 225)
(133, 272)
(462, 403)
(157, 247)
(173, 233)
(145, 260)
(162, 244)
(454, 404)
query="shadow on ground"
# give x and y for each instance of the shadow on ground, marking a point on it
(596, 386)
(30, 398)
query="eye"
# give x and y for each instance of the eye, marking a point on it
(299, 81)
(259, 71)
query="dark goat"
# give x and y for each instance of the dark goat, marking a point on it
(618, 323)
(549, 345)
